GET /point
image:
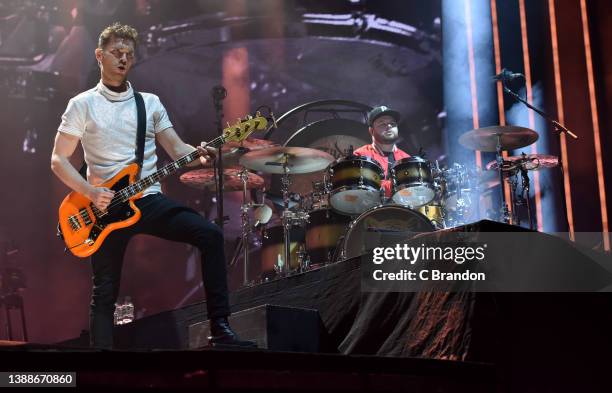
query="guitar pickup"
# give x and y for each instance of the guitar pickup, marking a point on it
(85, 216)
(74, 223)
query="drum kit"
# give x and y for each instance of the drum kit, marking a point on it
(349, 204)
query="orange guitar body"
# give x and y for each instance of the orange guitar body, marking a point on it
(84, 228)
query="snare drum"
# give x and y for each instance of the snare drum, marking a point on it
(413, 183)
(355, 184)
(272, 250)
(383, 226)
(323, 231)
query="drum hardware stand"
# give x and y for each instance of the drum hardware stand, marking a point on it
(515, 200)
(218, 94)
(525, 177)
(286, 182)
(505, 214)
(288, 217)
(243, 244)
(303, 259)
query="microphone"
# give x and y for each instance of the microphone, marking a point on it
(507, 76)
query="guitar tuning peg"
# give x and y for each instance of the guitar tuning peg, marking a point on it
(257, 114)
(249, 117)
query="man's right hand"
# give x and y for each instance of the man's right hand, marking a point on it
(100, 197)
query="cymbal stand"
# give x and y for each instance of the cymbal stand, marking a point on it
(505, 216)
(525, 177)
(286, 218)
(246, 225)
(514, 200)
(243, 245)
(218, 94)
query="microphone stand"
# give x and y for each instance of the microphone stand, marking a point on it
(556, 125)
(218, 94)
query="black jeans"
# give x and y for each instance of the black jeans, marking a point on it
(167, 219)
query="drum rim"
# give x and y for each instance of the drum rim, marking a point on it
(382, 206)
(411, 159)
(353, 188)
(330, 208)
(352, 224)
(401, 186)
(356, 158)
(397, 189)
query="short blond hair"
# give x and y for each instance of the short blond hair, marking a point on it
(117, 30)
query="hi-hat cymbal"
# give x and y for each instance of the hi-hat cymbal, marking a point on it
(205, 179)
(511, 137)
(298, 160)
(531, 162)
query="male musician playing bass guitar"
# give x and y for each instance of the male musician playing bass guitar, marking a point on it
(104, 120)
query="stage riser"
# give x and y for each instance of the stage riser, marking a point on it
(271, 327)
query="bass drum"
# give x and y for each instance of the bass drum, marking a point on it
(382, 226)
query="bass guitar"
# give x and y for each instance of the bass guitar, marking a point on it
(84, 227)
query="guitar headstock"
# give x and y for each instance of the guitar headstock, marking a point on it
(244, 127)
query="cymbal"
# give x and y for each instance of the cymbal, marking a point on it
(232, 151)
(485, 139)
(531, 162)
(299, 160)
(250, 144)
(205, 179)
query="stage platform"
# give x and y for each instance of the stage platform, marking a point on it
(399, 334)
(252, 370)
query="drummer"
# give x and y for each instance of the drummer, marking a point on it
(382, 123)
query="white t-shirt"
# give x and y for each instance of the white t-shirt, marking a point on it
(106, 122)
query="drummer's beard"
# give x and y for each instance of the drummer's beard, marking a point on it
(390, 138)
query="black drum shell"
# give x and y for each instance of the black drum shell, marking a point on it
(324, 230)
(272, 246)
(356, 171)
(412, 171)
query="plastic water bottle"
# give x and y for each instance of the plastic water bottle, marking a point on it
(118, 316)
(128, 310)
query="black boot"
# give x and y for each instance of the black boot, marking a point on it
(221, 334)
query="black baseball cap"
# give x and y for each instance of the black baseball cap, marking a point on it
(380, 111)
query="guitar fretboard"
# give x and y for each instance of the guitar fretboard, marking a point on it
(126, 193)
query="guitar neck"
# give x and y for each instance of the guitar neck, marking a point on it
(165, 171)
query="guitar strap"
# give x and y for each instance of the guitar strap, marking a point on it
(141, 114)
